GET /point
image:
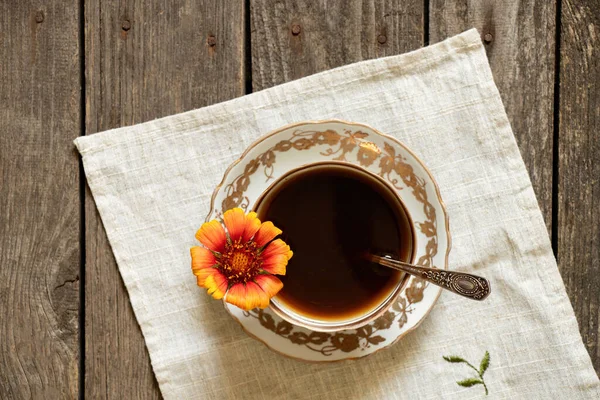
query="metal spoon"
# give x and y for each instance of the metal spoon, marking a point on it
(467, 285)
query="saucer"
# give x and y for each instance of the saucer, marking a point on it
(304, 143)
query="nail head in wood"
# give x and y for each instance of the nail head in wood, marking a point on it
(126, 25)
(211, 41)
(296, 29)
(382, 39)
(488, 38)
(39, 17)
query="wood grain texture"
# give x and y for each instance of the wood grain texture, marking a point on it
(519, 38)
(144, 60)
(579, 166)
(39, 199)
(293, 39)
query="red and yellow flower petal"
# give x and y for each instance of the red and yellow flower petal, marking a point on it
(247, 296)
(212, 235)
(275, 248)
(203, 274)
(216, 283)
(266, 233)
(201, 259)
(256, 297)
(236, 295)
(275, 264)
(235, 221)
(269, 284)
(252, 226)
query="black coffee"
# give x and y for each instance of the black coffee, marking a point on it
(330, 214)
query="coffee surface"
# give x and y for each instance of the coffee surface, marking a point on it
(330, 215)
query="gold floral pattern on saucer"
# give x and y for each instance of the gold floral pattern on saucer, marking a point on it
(293, 146)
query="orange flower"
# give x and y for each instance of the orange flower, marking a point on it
(239, 264)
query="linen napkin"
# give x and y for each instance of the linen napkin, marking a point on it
(152, 184)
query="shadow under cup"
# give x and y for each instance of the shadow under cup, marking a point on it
(331, 214)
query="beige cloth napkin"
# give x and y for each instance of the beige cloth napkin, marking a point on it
(153, 182)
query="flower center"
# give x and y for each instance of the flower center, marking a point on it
(240, 262)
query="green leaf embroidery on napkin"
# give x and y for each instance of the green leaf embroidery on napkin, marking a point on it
(483, 366)
(485, 363)
(470, 382)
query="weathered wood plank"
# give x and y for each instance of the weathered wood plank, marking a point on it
(39, 199)
(579, 166)
(293, 39)
(144, 60)
(519, 37)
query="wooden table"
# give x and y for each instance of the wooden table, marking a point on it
(70, 68)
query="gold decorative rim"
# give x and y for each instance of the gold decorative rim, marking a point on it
(393, 139)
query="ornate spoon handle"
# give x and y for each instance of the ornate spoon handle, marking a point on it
(467, 285)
